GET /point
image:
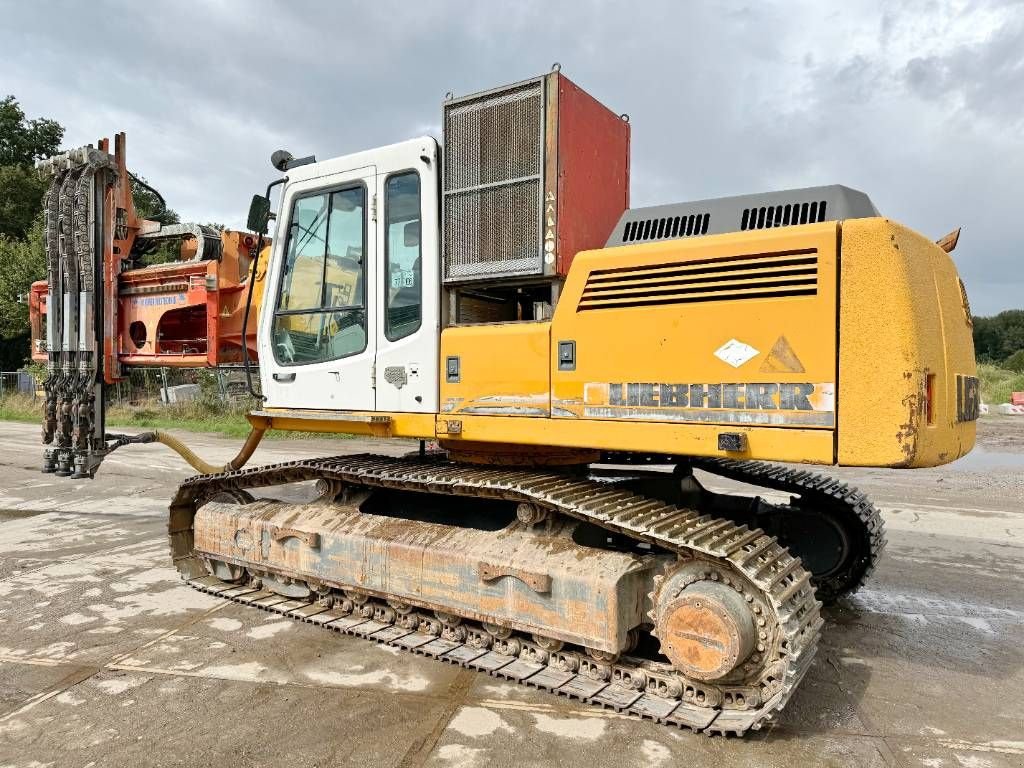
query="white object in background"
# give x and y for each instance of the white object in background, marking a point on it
(182, 393)
(1011, 410)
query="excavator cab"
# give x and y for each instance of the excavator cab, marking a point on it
(353, 287)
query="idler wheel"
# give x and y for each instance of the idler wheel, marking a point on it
(707, 630)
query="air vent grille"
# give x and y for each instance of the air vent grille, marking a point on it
(666, 227)
(493, 161)
(735, 278)
(768, 216)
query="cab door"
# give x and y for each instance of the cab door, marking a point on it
(408, 287)
(318, 328)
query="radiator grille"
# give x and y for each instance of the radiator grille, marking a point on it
(493, 231)
(768, 216)
(493, 162)
(734, 278)
(666, 227)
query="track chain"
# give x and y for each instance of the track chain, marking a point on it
(636, 686)
(820, 490)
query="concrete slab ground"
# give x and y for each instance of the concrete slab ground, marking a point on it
(106, 659)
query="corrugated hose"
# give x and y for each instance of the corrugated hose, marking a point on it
(203, 467)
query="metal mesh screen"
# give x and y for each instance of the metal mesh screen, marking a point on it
(493, 231)
(494, 156)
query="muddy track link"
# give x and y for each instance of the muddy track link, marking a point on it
(820, 492)
(636, 686)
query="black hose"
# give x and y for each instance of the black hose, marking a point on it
(245, 322)
(144, 185)
(248, 303)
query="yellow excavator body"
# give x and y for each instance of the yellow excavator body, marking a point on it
(869, 363)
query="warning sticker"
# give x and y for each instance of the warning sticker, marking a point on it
(736, 353)
(782, 359)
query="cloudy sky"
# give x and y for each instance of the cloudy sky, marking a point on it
(918, 103)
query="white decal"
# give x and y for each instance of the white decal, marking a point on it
(735, 353)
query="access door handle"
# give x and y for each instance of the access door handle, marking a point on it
(284, 376)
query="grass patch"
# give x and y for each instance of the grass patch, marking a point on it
(228, 420)
(20, 408)
(997, 383)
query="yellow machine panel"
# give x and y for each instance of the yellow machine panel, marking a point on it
(783, 341)
(500, 368)
(908, 393)
(728, 330)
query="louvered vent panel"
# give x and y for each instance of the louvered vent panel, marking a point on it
(768, 216)
(735, 278)
(666, 228)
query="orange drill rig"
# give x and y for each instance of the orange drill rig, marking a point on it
(578, 361)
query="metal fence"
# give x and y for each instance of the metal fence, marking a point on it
(20, 382)
(166, 385)
(173, 385)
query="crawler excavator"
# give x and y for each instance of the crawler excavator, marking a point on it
(581, 366)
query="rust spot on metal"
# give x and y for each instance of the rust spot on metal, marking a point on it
(310, 539)
(707, 631)
(909, 432)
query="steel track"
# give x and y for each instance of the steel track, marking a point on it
(822, 492)
(747, 559)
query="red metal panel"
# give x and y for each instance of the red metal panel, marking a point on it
(593, 172)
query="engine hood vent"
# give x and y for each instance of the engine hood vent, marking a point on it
(788, 208)
(781, 274)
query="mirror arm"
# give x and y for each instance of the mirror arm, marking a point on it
(248, 302)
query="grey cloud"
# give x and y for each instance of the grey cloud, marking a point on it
(725, 98)
(986, 80)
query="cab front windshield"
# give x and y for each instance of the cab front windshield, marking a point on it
(321, 311)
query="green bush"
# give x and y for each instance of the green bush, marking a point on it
(1015, 362)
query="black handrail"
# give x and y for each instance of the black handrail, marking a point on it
(248, 302)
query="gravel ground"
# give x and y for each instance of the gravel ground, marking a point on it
(107, 660)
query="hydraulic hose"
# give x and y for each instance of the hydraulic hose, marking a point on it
(203, 467)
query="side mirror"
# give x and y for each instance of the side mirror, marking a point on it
(259, 215)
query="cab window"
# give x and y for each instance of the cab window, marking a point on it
(403, 297)
(321, 309)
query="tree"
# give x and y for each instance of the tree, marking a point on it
(999, 336)
(1015, 362)
(22, 254)
(22, 142)
(150, 205)
(22, 261)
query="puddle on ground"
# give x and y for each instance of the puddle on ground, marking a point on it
(983, 460)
